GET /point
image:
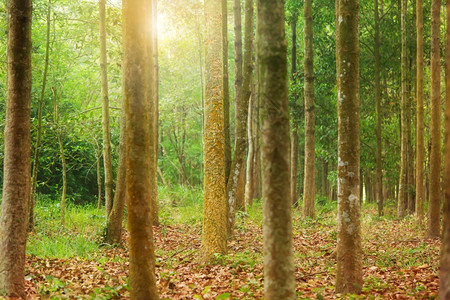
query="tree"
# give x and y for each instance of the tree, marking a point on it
(17, 165)
(214, 236)
(420, 151)
(240, 145)
(135, 80)
(444, 271)
(435, 126)
(379, 172)
(105, 109)
(349, 253)
(226, 88)
(310, 157)
(294, 135)
(402, 188)
(279, 280)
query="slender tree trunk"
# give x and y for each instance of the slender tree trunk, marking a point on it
(226, 88)
(105, 110)
(39, 129)
(249, 185)
(114, 221)
(237, 12)
(435, 126)
(444, 271)
(138, 180)
(279, 279)
(17, 165)
(402, 188)
(61, 155)
(214, 236)
(294, 165)
(379, 171)
(153, 111)
(237, 166)
(294, 135)
(349, 252)
(99, 176)
(420, 148)
(310, 157)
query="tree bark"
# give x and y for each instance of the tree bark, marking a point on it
(420, 148)
(444, 271)
(349, 252)
(115, 218)
(279, 279)
(99, 176)
(214, 236)
(105, 110)
(17, 165)
(379, 171)
(249, 184)
(152, 95)
(402, 193)
(294, 135)
(226, 88)
(138, 180)
(435, 126)
(237, 166)
(310, 157)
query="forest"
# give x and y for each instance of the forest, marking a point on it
(225, 149)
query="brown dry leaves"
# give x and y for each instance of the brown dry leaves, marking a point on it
(398, 264)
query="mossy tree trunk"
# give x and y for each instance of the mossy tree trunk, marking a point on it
(279, 279)
(435, 126)
(17, 165)
(105, 110)
(349, 252)
(310, 156)
(138, 156)
(420, 150)
(214, 235)
(402, 188)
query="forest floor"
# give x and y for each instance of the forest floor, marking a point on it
(399, 263)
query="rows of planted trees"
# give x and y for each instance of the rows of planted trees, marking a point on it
(296, 103)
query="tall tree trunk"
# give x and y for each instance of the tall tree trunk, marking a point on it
(237, 13)
(310, 157)
(237, 166)
(279, 279)
(420, 148)
(349, 252)
(214, 236)
(435, 126)
(379, 171)
(61, 155)
(39, 129)
(114, 221)
(402, 188)
(17, 165)
(226, 88)
(249, 184)
(294, 135)
(444, 271)
(138, 180)
(152, 95)
(105, 110)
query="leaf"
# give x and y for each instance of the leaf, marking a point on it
(223, 296)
